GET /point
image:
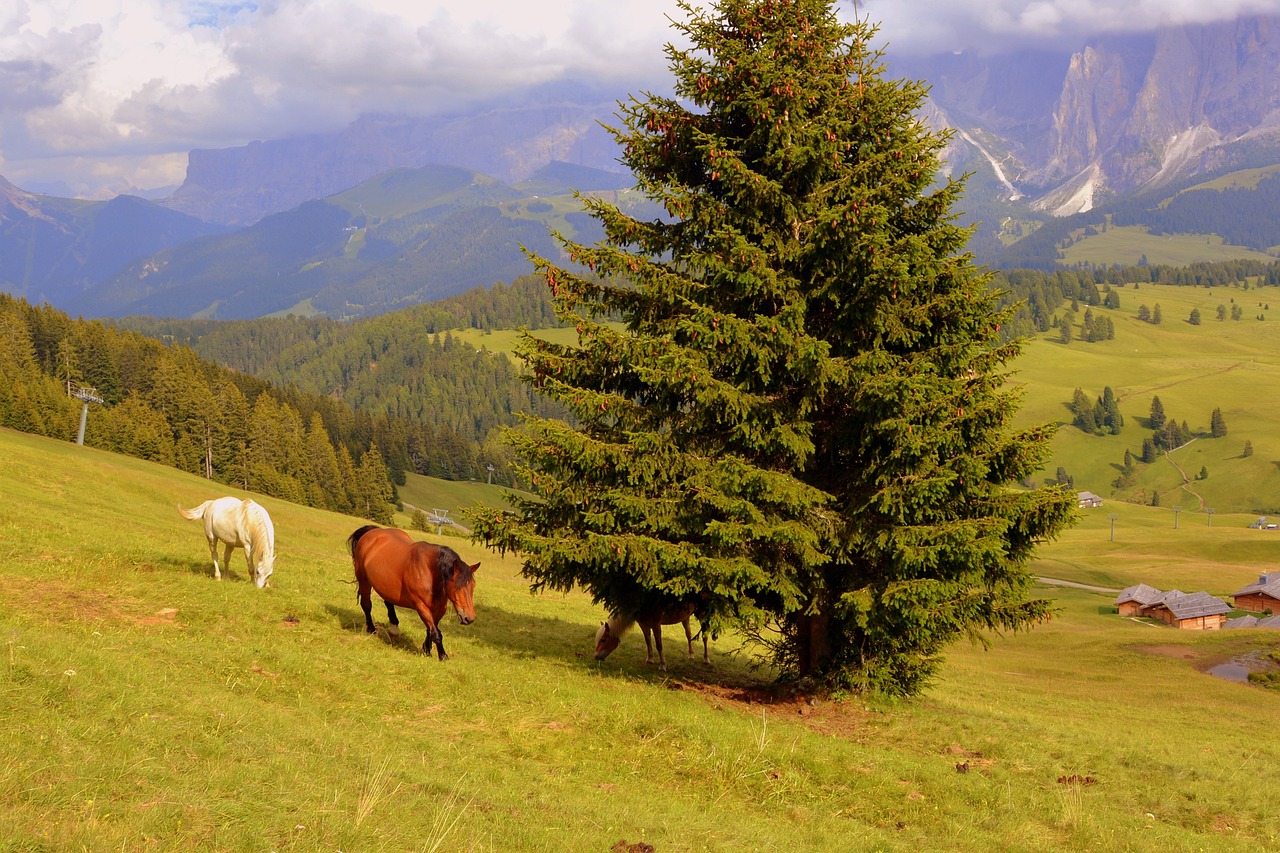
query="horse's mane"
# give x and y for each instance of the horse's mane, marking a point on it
(450, 564)
(617, 625)
(261, 529)
(355, 536)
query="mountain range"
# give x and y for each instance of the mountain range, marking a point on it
(395, 210)
(1123, 114)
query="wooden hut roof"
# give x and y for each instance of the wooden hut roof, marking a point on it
(1140, 593)
(1268, 584)
(1193, 605)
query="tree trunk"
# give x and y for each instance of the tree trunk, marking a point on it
(814, 643)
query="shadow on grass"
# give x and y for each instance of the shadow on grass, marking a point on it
(199, 568)
(524, 636)
(412, 631)
(528, 636)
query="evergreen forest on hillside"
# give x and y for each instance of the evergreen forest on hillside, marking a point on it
(166, 405)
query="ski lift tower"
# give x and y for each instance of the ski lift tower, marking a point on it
(86, 395)
(439, 517)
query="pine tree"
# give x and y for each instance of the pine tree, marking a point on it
(1217, 424)
(1157, 413)
(1194, 319)
(1149, 450)
(804, 418)
(1112, 420)
(1155, 314)
(1248, 449)
(375, 492)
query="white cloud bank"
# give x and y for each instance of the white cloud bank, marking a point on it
(108, 95)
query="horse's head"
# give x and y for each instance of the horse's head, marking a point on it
(606, 641)
(460, 585)
(262, 571)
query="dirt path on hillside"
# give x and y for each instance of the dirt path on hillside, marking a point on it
(1074, 585)
(1155, 388)
(1186, 481)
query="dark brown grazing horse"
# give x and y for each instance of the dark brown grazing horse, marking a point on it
(407, 573)
(651, 619)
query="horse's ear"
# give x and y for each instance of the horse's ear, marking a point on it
(475, 568)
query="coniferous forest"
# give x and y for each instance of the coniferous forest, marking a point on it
(165, 404)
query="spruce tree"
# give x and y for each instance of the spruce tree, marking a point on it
(1157, 413)
(1217, 424)
(804, 417)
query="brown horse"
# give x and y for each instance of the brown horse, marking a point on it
(651, 619)
(407, 573)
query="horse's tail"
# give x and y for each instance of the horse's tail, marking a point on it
(197, 512)
(355, 537)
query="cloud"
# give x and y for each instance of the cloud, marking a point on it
(108, 95)
(928, 26)
(81, 80)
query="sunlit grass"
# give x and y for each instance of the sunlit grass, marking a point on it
(145, 705)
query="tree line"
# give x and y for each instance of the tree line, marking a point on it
(165, 404)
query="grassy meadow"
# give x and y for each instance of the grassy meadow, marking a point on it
(146, 706)
(1232, 365)
(1128, 244)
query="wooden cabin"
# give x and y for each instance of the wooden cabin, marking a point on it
(1132, 600)
(1195, 611)
(1261, 596)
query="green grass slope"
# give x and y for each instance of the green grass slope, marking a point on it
(1229, 365)
(1128, 245)
(144, 705)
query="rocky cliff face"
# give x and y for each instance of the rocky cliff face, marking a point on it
(1130, 112)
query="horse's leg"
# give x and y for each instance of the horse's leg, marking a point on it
(394, 627)
(657, 641)
(648, 643)
(213, 549)
(688, 635)
(440, 644)
(433, 633)
(366, 604)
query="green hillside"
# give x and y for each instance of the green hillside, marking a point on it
(404, 237)
(1232, 365)
(1131, 244)
(147, 706)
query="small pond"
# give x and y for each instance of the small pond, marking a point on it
(1240, 667)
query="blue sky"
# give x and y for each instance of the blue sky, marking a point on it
(110, 95)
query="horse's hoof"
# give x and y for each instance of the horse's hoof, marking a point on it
(393, 630)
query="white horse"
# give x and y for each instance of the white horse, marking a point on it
(238, 524)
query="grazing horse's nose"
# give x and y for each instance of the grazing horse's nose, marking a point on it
(466, 620)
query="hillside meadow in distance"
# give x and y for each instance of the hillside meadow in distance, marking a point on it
(148, 706)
